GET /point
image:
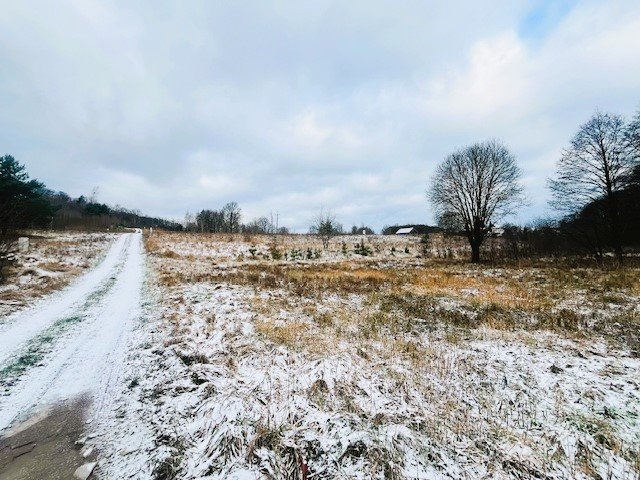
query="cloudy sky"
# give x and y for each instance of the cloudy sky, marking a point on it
(294, 106)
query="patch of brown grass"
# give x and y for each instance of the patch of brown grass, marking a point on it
(315, 280)
(294, 334)
(55, 267)
(435, 293)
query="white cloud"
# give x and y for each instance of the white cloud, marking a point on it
(495, 85)
(345, 106)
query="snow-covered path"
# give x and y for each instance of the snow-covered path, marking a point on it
(72, 343)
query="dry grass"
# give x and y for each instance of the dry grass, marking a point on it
(540, 296)
(513, 300)
(293, 334)
(52, 261)
(425, 334)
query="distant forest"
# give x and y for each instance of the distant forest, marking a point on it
(82, 213)
(27, 203)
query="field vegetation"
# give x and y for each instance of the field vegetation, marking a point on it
(391, 364)
(50, 262)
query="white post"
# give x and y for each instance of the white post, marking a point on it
(23, 244)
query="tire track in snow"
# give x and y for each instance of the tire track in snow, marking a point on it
(37, 347)
(87, 355)
(17, 329)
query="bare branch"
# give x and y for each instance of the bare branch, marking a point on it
(479, 185)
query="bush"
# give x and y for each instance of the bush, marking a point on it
(275, 253)
(361, 249)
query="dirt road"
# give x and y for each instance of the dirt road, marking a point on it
(72, 344)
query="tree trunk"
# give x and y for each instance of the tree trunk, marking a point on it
(615, 232)
(475, 252)
(614, 220)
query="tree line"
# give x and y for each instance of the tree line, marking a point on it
(87, 214)
(228, 219)
(595, 190)
(27, 203)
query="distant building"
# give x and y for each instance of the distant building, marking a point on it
(497, 231)
(410, 229)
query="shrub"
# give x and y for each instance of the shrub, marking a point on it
(275, 253)
(361, 249)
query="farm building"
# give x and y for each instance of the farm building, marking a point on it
(406, 231)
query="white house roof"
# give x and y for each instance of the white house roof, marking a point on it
(404, 231)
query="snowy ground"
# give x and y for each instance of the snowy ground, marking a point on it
(70, 344)
(251, 365)
(69, 349)
(52, 261)
(260, 358)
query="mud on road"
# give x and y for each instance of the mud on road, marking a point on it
(49, 445)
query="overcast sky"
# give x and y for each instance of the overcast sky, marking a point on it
(293, 106)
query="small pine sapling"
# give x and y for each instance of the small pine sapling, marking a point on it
(275, 253)
(361, 249)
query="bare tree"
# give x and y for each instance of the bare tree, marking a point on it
(479, 185)
(632, 135)
(326, 227)
(450, 222)
(232, 215)
(189, 223)
(260, 225)
(596, 166)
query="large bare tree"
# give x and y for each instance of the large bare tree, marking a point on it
(594, 168)
(479, 185)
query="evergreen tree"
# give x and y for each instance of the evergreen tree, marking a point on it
(23, 202)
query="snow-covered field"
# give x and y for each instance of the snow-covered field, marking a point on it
(52, 260)
(260, 358)
(231, 357)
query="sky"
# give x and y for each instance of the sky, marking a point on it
(292, 107)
